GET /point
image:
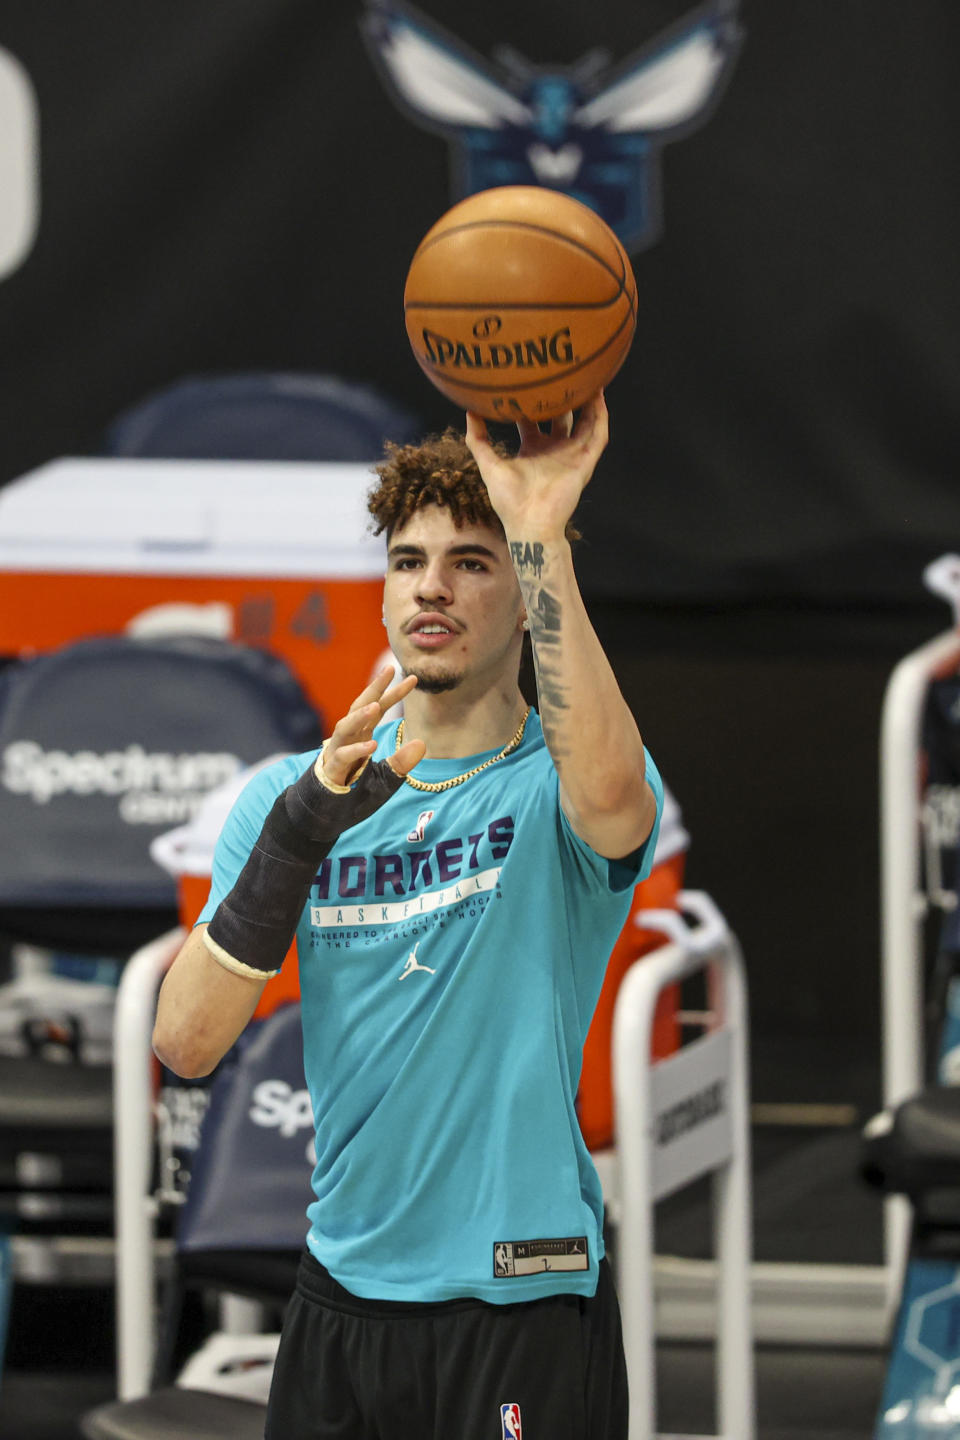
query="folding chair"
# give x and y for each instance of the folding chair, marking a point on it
(256, 1140)
(684, 1116)
(262, 416)
(911, 1149)
(102, 744)
(916, 825)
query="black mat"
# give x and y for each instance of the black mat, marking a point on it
(801, 1395)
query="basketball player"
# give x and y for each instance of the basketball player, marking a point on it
(454, 916)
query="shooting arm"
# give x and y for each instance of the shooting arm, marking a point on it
(589, 730)
(587, 724)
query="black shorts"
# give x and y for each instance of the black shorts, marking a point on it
(351, 1369)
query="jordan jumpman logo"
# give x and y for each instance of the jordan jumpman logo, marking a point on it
(414, 964)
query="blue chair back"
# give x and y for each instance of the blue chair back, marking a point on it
(107, 743)
(262, 417)
(256, 1141)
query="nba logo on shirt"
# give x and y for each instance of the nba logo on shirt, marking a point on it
(511, 1422)
(423, 820)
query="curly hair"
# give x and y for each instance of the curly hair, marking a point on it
(439, 471)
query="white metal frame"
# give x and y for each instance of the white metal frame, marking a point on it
(136, 1208)
(903, 903)
(138, 1199)
(637, 1178)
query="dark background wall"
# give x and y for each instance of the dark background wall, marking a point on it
(767, 726)
(229, 186)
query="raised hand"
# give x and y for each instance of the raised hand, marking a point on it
(351, 745)
(539, 487)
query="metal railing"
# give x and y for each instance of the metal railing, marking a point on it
(678, 1119)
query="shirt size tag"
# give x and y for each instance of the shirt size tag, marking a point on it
(534, 1257)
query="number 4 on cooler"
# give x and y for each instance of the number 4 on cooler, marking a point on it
(311, 619)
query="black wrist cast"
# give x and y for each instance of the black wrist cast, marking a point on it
(255, 924)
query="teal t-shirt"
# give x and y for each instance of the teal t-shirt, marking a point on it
(451, 956)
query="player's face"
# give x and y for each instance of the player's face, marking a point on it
(452, 604)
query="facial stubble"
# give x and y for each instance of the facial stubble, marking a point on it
(435, 682)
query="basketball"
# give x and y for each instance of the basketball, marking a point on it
(520, 303)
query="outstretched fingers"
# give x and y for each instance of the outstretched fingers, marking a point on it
(592, 416)
(341, 759)
(593, 425)
(352, 743)
(396, 693)
(528, 430)
(478, 438)
(380, 690)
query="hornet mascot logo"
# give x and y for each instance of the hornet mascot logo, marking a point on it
(592, 131)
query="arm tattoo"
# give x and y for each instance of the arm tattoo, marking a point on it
(545, 617)
(527, 558)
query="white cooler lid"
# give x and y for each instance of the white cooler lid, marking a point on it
(192, 517)
(188, 850)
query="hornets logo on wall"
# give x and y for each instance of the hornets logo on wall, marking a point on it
(593, 129)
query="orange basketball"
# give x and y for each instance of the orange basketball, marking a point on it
(520, 302)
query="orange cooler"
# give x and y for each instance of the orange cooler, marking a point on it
(272, 554)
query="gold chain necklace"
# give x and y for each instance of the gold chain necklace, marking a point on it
(436, 785)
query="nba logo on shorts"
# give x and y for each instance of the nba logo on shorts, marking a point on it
(511, 1423)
